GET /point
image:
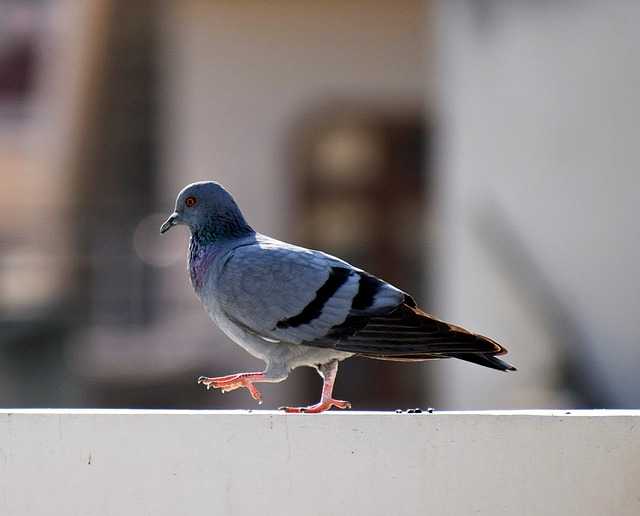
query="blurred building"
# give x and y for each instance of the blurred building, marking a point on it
(539, 181)
(480, 155)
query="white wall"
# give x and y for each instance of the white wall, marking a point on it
(540, 131)
(199, 462)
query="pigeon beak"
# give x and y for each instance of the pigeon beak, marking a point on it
(171, 221)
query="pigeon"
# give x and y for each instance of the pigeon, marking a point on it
(291, 306)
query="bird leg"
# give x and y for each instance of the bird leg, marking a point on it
(235, 381)
(328, 372)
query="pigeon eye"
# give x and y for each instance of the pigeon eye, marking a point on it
(190, 201)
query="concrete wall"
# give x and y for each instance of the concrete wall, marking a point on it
(198, 462)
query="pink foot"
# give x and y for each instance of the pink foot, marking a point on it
(318, 407)
(328, 372)
(235, 381)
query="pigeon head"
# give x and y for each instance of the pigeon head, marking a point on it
(209, 211)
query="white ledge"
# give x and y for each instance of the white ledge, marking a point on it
(332, 412)
(77, 461)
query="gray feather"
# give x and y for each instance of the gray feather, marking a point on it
(268, 285)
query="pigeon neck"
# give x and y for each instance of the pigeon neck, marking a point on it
(220, 228)
(205, 244)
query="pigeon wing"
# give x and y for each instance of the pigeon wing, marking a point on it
(292, 294)
(286, 293)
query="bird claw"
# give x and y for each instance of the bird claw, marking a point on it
(318, 407)
(232, 382)
(206, 381)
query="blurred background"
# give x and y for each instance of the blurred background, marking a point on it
(482, 155)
